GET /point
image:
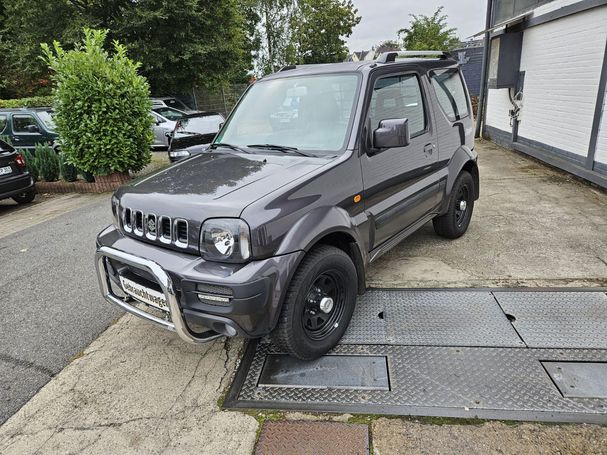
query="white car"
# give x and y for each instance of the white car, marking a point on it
(163, 128)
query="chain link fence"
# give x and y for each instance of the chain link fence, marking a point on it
(220, 100)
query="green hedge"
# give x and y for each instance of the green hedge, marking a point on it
(35, 101)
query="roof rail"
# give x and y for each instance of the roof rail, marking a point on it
(390, 57)
(287, 68)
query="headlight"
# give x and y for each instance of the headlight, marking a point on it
(225, 240)
(115, 203)
(179, 154)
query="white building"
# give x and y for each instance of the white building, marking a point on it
(546, 77)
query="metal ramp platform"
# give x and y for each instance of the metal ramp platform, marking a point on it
(491, 354)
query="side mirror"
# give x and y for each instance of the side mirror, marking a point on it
(32, 129)
(392, 133)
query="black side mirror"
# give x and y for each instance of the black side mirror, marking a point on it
(32, 129)
(392, 133)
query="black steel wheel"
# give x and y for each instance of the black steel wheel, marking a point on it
(319, 304)
(455, 222)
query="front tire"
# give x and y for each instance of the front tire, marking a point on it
(318, 305)
(25, 198)
(455, 222)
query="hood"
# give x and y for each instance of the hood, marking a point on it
(215, 184)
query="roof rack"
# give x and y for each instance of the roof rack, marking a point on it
(390, 57)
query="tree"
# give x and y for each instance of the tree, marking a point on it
(429, 33)
(25, 27)
(179, 43)
(319, 29)
(102, 106)
(386, 46)
(272, 32)
(184, 43)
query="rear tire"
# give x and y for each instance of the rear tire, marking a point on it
(318, 305)
(455, 222)
(25, 198)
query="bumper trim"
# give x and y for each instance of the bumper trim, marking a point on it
(177, 322)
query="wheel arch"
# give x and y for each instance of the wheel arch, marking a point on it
(464, 159)
(328, 226)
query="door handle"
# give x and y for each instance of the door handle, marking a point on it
(429, 149)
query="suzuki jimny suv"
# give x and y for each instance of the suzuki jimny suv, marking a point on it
(318, 171)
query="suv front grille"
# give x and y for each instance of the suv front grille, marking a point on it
(155, 227)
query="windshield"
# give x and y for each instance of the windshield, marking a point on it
(47, 119)
(171, 114)
(306, 112)
(200, 125)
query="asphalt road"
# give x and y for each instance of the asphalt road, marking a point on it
(50, 304)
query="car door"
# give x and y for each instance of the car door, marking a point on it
(399, 184)
(26, 131)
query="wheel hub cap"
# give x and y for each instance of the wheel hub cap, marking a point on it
(326, 304)
(463, 205)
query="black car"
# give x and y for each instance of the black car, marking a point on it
(193, 134)
(317, 172)
(15, 181)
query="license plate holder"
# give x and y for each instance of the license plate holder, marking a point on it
(144, 294)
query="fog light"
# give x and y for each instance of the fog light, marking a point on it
(213, 299)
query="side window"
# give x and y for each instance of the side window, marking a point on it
(23, 123)
(449, 88)
(2, 122)
(398, 97)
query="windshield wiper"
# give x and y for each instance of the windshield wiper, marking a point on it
(279, 148)
(230, 146)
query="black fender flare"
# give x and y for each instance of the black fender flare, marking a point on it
(321, 222)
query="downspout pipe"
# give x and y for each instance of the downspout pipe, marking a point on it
(480, 117)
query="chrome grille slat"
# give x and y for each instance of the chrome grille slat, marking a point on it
(154, 227)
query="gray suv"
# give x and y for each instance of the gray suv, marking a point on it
(317, 172)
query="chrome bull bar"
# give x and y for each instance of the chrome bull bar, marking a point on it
(176, 323)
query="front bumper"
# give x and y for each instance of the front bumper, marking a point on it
(225, 299)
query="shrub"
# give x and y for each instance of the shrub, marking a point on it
(31, 162)
(34, 101)
(48, 162)
(102, 106)
(69, 172)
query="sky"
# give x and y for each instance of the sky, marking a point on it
(381, 19)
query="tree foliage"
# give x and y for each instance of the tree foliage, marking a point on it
(429, 33)
(319, 30)
(386, 46)
(273, 33)
(184, 43)
(102, 106)
(179, 43)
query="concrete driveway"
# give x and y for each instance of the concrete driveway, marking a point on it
(137, 389)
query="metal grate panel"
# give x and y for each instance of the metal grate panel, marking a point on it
(558, 319)
(471, 382)
(430, 318)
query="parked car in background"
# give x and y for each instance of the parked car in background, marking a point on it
(15, 180)
(169, 112)
(193, 134)
(170, 101)
(163, 129)
(28, 127)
